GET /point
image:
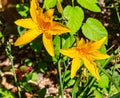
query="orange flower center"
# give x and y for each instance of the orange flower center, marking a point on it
(83, 51)
(44, 23)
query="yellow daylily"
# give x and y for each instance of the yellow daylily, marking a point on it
(40, 23)
(87, 52)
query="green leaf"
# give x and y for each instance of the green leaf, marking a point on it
(28, 62)
(56, 42)
(98, 94)
(94, 30)
(67, 40)
(21, 30)
(4, 93)
(43, 67)
(42, 93)
(23, 9)
(116, 95)
(49, 4)
(116, 77)
(90, 5)
(36, 45)
(0, 22)
(67, 80)
(75, 16)
(34, 76)
(28, 87)
(1, 35)
(103, 82)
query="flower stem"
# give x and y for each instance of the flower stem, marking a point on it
(8, 52)
(59, 6)
(65, 70)
(60, 77)
(73, 3)
(117, 10)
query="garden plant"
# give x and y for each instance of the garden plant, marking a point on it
(59, 49)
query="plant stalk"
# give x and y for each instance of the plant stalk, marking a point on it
(8, 52)
(60, 77)
(73, 3)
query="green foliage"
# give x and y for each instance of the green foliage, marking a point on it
(41, 93)
(103, 82)
(90, 5)
(56, 42)
(23, 9)
(21, 30)
(28, 62)
(4, 93)
(36, 45)
(67, 40)
(98, 94)
(75, 16)
(83, 85)
(34, 76)
(64, 41)
(68, 82)
(49, 3)
(116, 95)
(26, 86)
(93, 29)
(1, 35)
(43, 67)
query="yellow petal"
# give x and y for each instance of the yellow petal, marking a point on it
(97, 44)
(34, 7)
(47, 41)
(49, 13)
(58, 28)
(91, 66)
(69, 52)
(75, 66)
(26, 23)
(98, 55)
(81, 42)
(27, 37)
